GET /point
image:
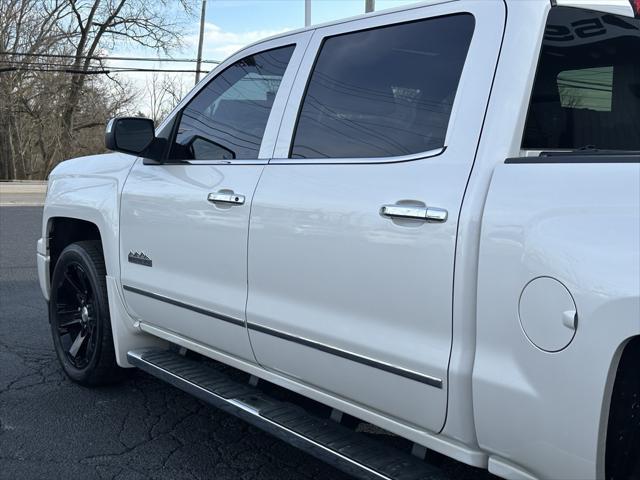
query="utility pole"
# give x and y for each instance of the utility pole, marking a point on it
(307, 13)
(199, 62)
(369, 6)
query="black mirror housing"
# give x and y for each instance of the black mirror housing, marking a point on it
(129, 134)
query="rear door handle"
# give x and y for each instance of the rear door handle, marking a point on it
(428, 214)
(226, 198)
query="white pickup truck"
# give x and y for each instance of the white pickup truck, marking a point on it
(425, 219)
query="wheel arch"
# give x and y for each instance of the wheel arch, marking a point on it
(63, 231)
(63, 225)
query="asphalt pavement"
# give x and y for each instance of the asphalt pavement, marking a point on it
(142, 428)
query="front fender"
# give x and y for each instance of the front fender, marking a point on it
(89, 188)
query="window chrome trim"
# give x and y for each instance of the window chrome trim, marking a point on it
(206, 162)
(222, 162)
(364, 160)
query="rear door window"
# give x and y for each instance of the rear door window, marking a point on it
(383, 92)
(587, 87)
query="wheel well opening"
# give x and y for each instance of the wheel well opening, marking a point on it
(65, 231)
(622, 454)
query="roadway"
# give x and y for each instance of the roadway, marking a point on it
(141, 428)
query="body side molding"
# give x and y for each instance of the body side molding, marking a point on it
(411, 375)
(354, 357)
(177, 303)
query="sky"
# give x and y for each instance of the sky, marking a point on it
(233, 24)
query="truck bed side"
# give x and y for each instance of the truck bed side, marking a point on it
(555, 230)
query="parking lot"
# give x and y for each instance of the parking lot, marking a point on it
(50, 427)
(142, 428)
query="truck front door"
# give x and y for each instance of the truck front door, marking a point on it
(184, 222)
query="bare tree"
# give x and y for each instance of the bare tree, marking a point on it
(55, 110)
(164, 92)
(26, 26)
(105, 23)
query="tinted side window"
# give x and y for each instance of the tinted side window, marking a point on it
(587, 87)
(227, 118)
(383, 92)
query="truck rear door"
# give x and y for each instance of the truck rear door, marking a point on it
(353, 224)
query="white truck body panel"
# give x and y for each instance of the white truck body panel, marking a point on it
(543, 220)
(328, 298)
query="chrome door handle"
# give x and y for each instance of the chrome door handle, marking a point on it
(227, 198)
(428, 214)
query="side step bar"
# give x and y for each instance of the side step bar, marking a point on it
(351, 452)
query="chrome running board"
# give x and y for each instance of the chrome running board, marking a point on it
(351, 452)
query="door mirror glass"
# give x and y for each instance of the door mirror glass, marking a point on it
(129, 134)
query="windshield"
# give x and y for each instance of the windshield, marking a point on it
(587, 88)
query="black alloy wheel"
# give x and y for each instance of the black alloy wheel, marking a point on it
(75, 312)
(79, 316)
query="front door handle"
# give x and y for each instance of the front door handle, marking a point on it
(226, 197)
(428, 214)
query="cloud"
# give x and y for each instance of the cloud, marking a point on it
(218, 44)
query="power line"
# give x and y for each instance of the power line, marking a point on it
(46, 64)
(35, 66)
(103, 58)
(60, 70)
(95, 71)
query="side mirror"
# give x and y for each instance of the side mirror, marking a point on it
(129, 134)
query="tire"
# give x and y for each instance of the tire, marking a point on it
(79, 316)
